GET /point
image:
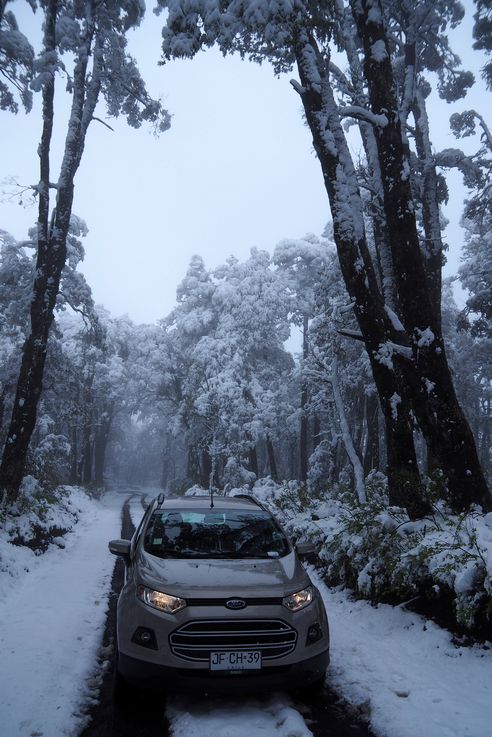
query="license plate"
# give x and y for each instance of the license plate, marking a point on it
(236, 660)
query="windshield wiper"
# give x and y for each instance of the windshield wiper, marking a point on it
(159, 553)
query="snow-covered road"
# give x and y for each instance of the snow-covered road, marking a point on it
(235, 718)
(400, 670)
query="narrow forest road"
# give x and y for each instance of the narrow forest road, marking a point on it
(266, 715)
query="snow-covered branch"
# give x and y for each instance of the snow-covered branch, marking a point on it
(354, 334)
(360, 113)
(298, 87)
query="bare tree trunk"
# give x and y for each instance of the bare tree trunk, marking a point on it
(165, 464)
(100, 445)
(88, 451)
(316, 431)
(75, 451)
(205, 469)
(348, 444)
(253, 460)
(433, 247)
(194, 468)
(271, 459)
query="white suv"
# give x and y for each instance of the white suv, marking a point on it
(216, 597)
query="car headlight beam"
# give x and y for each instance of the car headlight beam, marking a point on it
(299, 600)
(161, 601)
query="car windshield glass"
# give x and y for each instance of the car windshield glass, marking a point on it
(212, 533)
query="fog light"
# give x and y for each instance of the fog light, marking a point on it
(145, 637)
(314, 634)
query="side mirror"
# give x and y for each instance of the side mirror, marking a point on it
(120, 547)
(306, 550)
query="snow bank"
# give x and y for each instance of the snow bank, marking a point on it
(378, 551)
(52, 614)
(399, 669)
(404, 672)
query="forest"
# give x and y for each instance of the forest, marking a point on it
(374, 435)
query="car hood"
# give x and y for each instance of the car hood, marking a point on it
(217, 578)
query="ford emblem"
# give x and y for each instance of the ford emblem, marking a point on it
(235, 604)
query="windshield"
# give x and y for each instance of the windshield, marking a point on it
(208, 533)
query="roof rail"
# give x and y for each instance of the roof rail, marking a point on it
(252, 499)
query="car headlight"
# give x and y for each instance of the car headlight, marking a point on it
(299, 600)
(159, 600)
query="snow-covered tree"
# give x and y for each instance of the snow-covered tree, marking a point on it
(482, 32)
(389, 49)
(16, 61)
(302, 263)
(86, 43)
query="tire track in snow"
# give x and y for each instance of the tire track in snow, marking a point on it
(144, 716)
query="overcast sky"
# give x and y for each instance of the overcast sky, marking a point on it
(235, 170)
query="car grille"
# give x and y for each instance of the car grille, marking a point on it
(196, 640)
(257, 601)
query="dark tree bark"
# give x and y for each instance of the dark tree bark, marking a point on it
(194, 467)
(357, 421)
(371, 455)
(253, 460)
(3, 396)
(205, 469)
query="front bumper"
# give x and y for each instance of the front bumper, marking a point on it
(156, 676)
(162, 664)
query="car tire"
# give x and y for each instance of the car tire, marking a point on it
(312, 690)
(123, 692)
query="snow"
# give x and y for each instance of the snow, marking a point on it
(52, 614)
(399, 669)
(384, 355)
(406, 671)
(425, 337)
(362, 113)
(394, 402)
(241, 718)
(378, 51)
(395, 320)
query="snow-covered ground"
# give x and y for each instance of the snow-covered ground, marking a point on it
(400, 670)
(405, 672)
(52, 615)
(249, 717)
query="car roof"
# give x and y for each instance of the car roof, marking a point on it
(219, 502)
